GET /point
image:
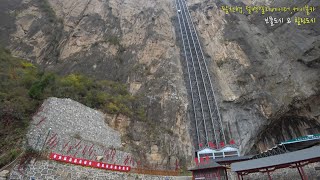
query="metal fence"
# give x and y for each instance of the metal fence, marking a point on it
(155, 172)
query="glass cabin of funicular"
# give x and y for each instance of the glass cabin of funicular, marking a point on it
(227, 151)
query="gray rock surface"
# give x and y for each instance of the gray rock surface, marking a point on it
(51, 170)
(77, 126)
(68, 118)
(76, 130)
(130, 41)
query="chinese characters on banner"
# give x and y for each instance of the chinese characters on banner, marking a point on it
(88, 163)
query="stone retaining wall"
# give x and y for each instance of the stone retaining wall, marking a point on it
(76, 130)
(51, 170)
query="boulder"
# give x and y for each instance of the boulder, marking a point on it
(4, 173)
(99, 158)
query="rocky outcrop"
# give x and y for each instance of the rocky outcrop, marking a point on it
(4, 174)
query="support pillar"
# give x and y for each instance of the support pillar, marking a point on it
(225, 170)
(303, 174)
(239, 176)
(269, 176)
(300, 172)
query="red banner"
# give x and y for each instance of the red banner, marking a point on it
(213, 146)
(89, 163)
(221, 144)
(207, 159)
(232, 141)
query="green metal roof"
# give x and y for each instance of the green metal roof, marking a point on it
(303, 138)
(277, 160)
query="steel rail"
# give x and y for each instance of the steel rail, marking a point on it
(186, 25)
(214, 97)
(201, 71)
(188, 69)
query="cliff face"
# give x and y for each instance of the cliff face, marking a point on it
(266, 78)
(128, 41)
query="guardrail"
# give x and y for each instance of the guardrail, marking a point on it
(155, 172)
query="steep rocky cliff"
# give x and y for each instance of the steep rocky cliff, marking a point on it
(266, 78)
(128, 41)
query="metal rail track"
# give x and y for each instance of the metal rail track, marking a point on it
(205, 112)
